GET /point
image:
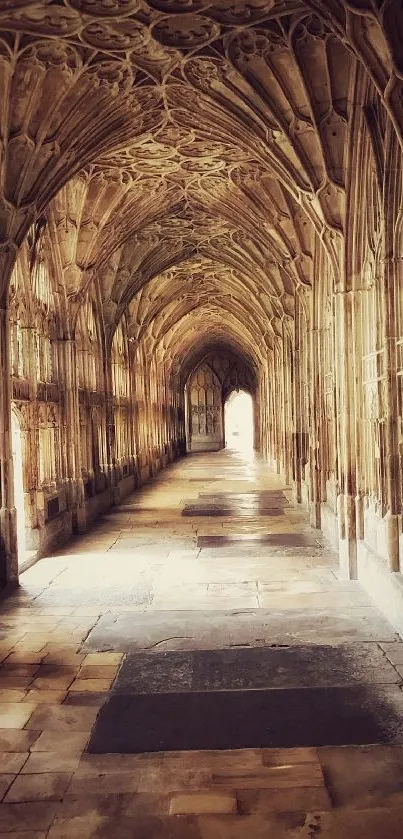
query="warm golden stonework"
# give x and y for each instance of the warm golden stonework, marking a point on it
(198, 198)
(183, 180)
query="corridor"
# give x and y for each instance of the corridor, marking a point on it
(193, 668)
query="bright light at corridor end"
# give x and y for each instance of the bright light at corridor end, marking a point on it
(239, 425)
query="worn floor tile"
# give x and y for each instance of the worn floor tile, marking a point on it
(24, 834)
(99, 659)
(111, 805)
(362, 777)
(382, 823)
(30, 816)
(280, 757)
(5, 783)
(17, 670)
(59, 761)
(15, 682)
(64, 657)
(12, 761)
(95, 671)
(201, 803)
(63, 741)
(13, 740)
(50, 786)
(95, 765)
(16, 714)
(273, 777)
(116, 782)
(44, 696)
(284, 800)
(90, 685)
(252, 575)
(284, 826)
(394, 652)
(87, 699)
(143, 827)
(12, 695)
(62, 719)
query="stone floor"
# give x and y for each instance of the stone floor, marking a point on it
(207, 584)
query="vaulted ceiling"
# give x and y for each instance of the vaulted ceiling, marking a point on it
(188, 154)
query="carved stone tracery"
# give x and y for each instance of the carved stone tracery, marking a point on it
(182, 175)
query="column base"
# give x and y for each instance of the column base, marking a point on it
(348, 559)
(79, 520)
(346, 508)
(315, 514)
(8, 547)
(393, 525)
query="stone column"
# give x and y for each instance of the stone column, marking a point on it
(8, 515)
(288, 395)
(346, 501)
(30, 433)
(71, 422)
(316, 412)
(133, 409)
(392, 289)
(393, 281)
(111, 438)
(146, 359)
(297, 406)
(357, 396)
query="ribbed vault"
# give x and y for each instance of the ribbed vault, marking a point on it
(180, 177)
(195, 356)
(199, 129)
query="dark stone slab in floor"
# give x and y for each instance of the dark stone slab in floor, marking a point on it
(230, 511)
(236, 551)
(272, 540)
(86, 699)
(248, 719)
(238, 504)
(363, 777)
(256, 503)
(206, 480)
(264, 494)
(213, 629)
(207, 510)
(254, 668)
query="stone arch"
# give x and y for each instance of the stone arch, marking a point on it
(240, 419)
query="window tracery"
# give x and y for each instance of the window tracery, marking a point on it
(205, 405)
(121, 389)
(92, 418)
(140, 406)
(44, 309)
(370, 451)
(120, 363)
(49, 444)
(88, 348)
(97, 440)
(18, 322)
(17, 342)
(329, 392)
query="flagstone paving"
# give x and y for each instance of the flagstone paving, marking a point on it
(207, 582)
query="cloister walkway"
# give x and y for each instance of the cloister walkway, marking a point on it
(193, 668)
